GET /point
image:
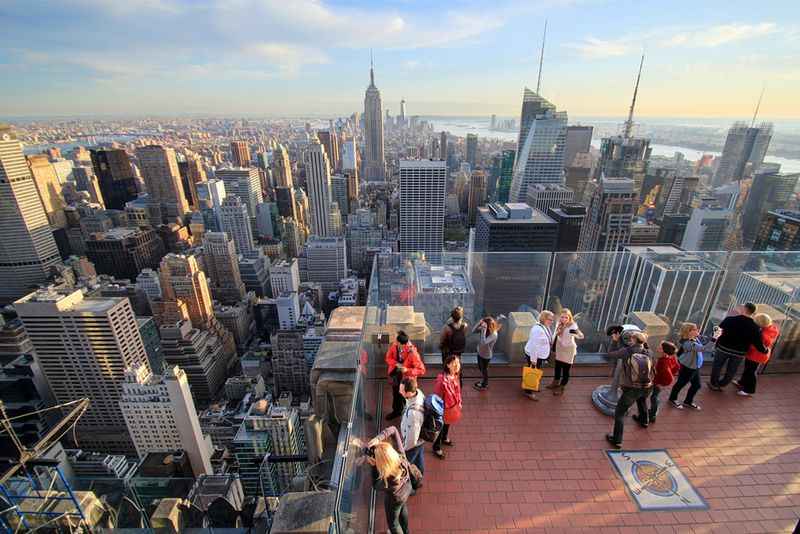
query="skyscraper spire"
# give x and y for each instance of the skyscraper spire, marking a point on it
(629, 123)
(758, 105)
(541, 59)
(371, 73)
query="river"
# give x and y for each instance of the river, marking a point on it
(461, 126)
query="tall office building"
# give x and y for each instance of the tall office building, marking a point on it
(472, 150)
(284, 197)
(769, 191)
(339, 186)
(236, 222)
(374, 161)
(578, 141)
(512, 251)
(162, 178)
(49, 188)
(624, 157)
(183, 280)
(609, 216)
(540, 156)
(506, 175)
(240, 153)
(115, 175)
(578, 174)
(286, 437)
(779, 230)
(243, 183)
(96, 339)
(290, 370)
(326, 261)
(255, 273)
(423, 185)
(743, 153)
(318, 182)
(330, 141)
(161, 416)
(672, 228)
(363, 233)
(222, 267)
(282, 168)
(545, 196)
(477, 195)
(569, 218)
(124, 252)
(707, 227)
(284, 277)
(443, 147)
(85, 180)
(28, 251)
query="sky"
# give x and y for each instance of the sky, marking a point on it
(704, 58)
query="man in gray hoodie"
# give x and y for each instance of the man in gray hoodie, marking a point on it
(411, 423)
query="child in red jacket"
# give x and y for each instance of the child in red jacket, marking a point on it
(667, 368)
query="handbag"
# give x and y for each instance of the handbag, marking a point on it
(531, 377)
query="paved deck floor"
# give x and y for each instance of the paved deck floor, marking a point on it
(522, 466)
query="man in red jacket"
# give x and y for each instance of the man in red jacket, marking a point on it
(403, 361)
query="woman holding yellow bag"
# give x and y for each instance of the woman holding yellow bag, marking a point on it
(537, 351)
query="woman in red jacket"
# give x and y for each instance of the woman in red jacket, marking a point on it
(403, 361)
(448, 387)
(754, 358)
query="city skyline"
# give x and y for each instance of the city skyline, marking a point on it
(216, 59)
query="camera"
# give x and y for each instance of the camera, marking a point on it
(368, 451)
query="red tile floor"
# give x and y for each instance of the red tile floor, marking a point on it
(522, 466)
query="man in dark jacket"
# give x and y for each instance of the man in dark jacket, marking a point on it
(738, 333)
(631, 392)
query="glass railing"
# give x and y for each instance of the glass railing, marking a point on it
(656, 288)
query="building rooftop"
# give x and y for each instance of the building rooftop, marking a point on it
(441, 279)
(785, 282)
(115, 234)
(788, 214)
(513, 213)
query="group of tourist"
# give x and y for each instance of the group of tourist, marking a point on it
(398, 455)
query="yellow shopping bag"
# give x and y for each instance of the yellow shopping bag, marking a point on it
(531, 377)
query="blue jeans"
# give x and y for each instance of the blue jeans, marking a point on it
(416, 456)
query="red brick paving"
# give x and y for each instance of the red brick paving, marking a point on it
(520, 466)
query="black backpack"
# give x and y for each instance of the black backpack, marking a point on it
(458, 338)
(432, 417)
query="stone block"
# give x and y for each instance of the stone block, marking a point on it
(308, 512)
(518, 331)
(656, 328)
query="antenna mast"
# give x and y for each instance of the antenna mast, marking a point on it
(371, 73)
(629, 123)
(541, 58)
(758, 106)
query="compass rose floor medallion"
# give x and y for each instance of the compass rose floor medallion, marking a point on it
(654, 481)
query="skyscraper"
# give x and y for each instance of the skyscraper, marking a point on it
(545, 196)
(182, 280)
(159, 166)
(506, 175)
(245, 184)
(124, 252)
(330, 141)
(284, 277)
(780, 230)
(290, 369)
(236, 222)
(707, 227)
(27, 248)
(769, 191)
(477, 195)
(161, 416)
(318, 182)
(579, 140)
(339, 194)
(609, 217)
(326, 261)
(221, 264)
(97, 339)
(743, 153)
(443, 148)
(115, 175)
(569, 217)
(49, 188)
(374, 162)
(423, 185)
(472, 150)
(282, 167)
(240, 153)
(540, 155)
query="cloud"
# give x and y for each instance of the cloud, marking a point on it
(673, 37)
(593, 48)
(120, 8)
(287, 57)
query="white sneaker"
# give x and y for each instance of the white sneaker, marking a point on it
(744, 393)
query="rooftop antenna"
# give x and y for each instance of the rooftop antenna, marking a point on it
(758, 105)
(541, 59)
(629, 123)
(371, 73)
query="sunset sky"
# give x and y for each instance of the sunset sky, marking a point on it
(311, 57)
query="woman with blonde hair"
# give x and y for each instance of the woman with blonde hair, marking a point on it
(394, 474)
(754, 358)
(488, 328)
(567, 332)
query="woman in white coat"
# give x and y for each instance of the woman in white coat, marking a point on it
(539, 345)
(567, 332)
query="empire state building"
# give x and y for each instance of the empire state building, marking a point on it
(375, 164)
